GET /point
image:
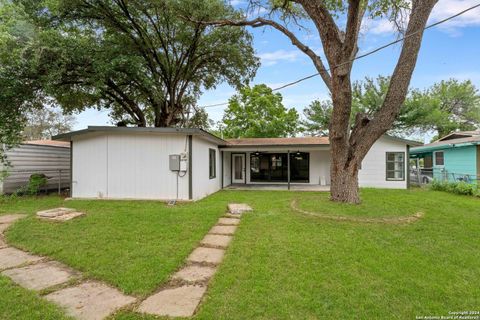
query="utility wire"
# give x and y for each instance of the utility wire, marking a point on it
(362, 55)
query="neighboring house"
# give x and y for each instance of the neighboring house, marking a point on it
(51, 158)
(454, 157)
(141, 163)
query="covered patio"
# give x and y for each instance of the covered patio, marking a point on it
(273, 187)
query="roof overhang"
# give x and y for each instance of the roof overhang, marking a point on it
(106, 129)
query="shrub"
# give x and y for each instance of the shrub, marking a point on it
(460, 187)
(35, 183)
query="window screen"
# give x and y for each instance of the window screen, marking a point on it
(395, 166)
(439, 161)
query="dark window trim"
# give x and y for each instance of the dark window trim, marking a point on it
(288, 155)
(434, 156)
(386, 166)
(212, 175)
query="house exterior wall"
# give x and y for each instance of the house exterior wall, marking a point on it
(27, 159)
(123, 166)
(202, 185)
(374, 165)
(461, 161)
(227, 168)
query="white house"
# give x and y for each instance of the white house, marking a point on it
(189, 164)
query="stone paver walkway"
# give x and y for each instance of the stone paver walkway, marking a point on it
(93, 300)
(182, 296)
(88, 300)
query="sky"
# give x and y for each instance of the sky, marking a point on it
(450, 50)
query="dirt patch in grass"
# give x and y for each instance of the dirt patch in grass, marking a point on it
(385, 220)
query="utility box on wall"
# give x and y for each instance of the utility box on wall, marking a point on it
(174, 162)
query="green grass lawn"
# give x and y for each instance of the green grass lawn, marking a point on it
(281, 264)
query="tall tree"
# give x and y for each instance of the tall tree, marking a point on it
(137, 58)
(447, 106)
(47, 122)
(258, 112)
(349, 145)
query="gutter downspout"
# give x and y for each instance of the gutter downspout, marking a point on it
(190, 175)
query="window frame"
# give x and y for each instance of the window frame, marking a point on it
(212, 163)
(388, 161)
(435, 159)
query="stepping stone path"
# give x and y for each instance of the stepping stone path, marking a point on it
(88, 300)
(182, 295)
(93, 300)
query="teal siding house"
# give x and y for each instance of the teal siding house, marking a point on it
(455, 157)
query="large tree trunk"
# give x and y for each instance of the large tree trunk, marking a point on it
(344, 187)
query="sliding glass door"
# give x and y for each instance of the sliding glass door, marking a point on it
(273, 167)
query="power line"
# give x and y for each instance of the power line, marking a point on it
(362, 55)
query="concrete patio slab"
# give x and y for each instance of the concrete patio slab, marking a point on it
(41, 275)
(90, 300)
(225, 230)
(50, 213)
(64, 217)
(11, 218)
(176, 302)
(216, 240)
(228, 221)
(238, 208)
(11, 257)
(194, 273)
(206, 255)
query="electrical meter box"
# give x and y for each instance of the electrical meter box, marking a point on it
(174, 162)
(183, 161)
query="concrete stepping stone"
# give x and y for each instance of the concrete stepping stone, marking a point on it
(216, 240)
(3, 244)
(11, 218)
(41, 275)
(90, 300)
(228, 221)
(65, 217)
(225, 230)
(11, 257)
(206, 255)
(51, 213)
(4, 227)
(233, 216)
(195, 273)
(175, 302)
(238, 208)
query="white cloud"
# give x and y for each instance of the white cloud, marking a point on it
(272, 58)
(443, 9)
(447, 8)
(236, 3)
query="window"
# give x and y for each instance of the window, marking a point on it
(395, 166)
(212, 167)
(439, 161)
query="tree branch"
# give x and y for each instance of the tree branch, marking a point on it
(261, 22)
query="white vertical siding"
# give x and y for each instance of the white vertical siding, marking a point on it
(122, 166)
(89, 167)
(319, 166)
(373, 171)
(201, 182)
(227, 168)
(27, 159)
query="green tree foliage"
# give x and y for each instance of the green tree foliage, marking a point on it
(19, 91)
(140, 59)
(47, 122)
(258, 112)
(445, 107)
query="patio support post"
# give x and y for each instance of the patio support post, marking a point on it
(288, 166)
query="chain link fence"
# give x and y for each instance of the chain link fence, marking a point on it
(424, 176)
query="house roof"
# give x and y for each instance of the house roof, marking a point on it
(102, 129)
(246, 142)
(51, 143)
(455, 139)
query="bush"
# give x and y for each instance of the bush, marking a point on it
(460, 187)
(35, 183)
